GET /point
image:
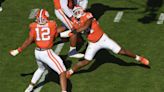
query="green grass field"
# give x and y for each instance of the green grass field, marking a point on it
(136, 31)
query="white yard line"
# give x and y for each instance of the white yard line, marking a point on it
(57, 51)
(160, 19)
(59, 48)
(118, 16)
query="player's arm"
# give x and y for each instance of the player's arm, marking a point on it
(26, 43)
(61, 29)
(63, 32)
(87, 24)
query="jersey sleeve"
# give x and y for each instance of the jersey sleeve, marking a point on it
(54, 27)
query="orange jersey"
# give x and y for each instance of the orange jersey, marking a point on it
(57, 4)
(95, 30)
(43, 34)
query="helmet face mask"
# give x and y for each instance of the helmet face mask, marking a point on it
(78, 12)
(42, 17)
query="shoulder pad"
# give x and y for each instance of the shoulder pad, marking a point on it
(32, 24)
(52, 22)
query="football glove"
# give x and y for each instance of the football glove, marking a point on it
(15, 52)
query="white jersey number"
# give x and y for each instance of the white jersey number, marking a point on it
(42, 34)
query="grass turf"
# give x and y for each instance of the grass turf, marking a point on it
(137, 31)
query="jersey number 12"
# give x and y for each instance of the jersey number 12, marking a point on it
(42, 34)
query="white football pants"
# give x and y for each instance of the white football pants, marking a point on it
(63, 18)
(103, 42)
(49, 58)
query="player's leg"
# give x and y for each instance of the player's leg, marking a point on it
(56, 63)
(76, 67)
(90, 53)
(73, 52)
(112, 45)
(73, 38)
(141, 59)
(63, 81)
(63, 18)
(38, 73)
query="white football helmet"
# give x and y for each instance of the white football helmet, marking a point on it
(78, 12)
(42, 16)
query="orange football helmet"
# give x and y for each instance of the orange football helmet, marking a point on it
(42, 16)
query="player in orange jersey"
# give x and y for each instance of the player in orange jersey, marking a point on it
(43, 32)
(97, 40)
(63, 11)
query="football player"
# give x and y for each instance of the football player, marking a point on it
(43, 32)
(97, 40)
(63, 11)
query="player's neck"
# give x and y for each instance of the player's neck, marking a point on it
(41, 25)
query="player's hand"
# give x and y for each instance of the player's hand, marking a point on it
(74, 20)
(76, 23)
(15, 52)
(76, 26)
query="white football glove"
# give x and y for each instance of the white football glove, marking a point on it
(14, 52)
(65, 34)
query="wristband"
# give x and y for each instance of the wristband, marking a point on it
(20, 49)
